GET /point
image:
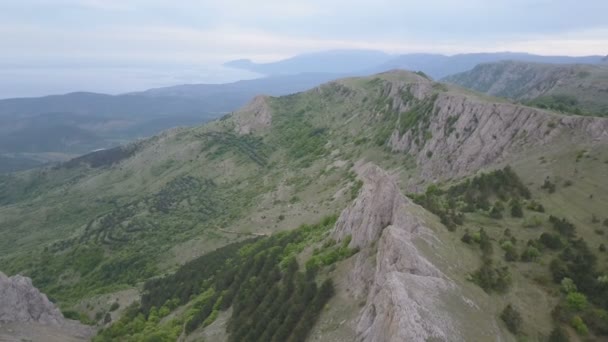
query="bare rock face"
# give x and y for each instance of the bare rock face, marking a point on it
(404, 292)
(27, 314)
(372, 211)
(466, 134)
(20, 301)
(254, 116)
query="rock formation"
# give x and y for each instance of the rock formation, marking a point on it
(254, 116)
(27, 314)
(20, 301)
(466, 134)
(404, 292)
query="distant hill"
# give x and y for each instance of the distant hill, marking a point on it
(364, 62)
(573, 88)
(335, 61)
(77, 123)
(439, 66)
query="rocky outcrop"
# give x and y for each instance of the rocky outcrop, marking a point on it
(20, 301)
(253, 117)
(405, 294)
(466, 134)
(372, 211)
(27, 314)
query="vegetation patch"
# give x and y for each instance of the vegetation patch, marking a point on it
(272, 299)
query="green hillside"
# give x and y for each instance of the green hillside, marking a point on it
(200, 224)
(574, 89)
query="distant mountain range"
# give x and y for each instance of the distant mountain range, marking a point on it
(359, 62)
(335, 62)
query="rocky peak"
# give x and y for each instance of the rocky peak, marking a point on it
(254, 116)
(20, 301)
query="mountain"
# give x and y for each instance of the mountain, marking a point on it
(363, 62)
(439, 66)
(573, 88)
(334, 62)
(55, 128)
(380, 208)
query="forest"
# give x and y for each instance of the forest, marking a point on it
(271, 296)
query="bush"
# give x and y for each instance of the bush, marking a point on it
(492, 278)
(563, 226)
(114, 306)
(512, 319)
(597, 319)
(516, 209)
(568, 286)
(551, 241)
(532, 222)
(531, 253)
(467, 238)
(580, 326)
(535, 206)
(496, 212)
(549, 186)
(510, 251)
(576, 301)
(558, 335)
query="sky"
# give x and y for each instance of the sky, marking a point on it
(113, 46)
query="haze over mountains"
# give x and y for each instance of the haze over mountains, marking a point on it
(367, 62)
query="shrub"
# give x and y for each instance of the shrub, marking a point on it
(492, 278)
(516, 209)
(551, 241)
(532, 222)
(114, 306)
(536, 206)
(467, 238)
(558, 335)
(512, 319)
(563, 226)
(568, 286)
(510, 251)
(549, 186)
(531, 253)
(597, 319)
(602, 248)
(576, 301)
(496, 212)
(580, 326)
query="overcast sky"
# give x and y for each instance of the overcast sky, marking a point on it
(173, 41)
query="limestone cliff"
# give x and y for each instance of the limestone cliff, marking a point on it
(27, 314)
(20, 301)
(407, 297)
(466, 134)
